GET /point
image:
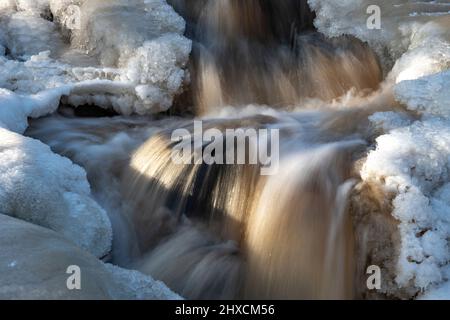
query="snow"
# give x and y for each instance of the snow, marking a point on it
(399, 26)
(412, 161)
(34, 261)
(412, 156)
(15, 109)
(428, 52)
(36, 7)
(428, 95)
(148, 49)
(137, 286)
(140, 66)
(41, 187)
(29, 35)
(439, 292)
(136, 69)
(101, 146)
(387, 121)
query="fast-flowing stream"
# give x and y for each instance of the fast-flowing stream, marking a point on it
(226, 231)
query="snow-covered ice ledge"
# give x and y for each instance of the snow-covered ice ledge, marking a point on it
(138, 68)
(412, 158)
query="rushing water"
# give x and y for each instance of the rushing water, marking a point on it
(225, 231)
(266, 52)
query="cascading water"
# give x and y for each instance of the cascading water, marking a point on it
(221, 231)
(226, 231)
(266, 52)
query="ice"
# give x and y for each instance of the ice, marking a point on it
(35, 267)
(402, 22)
(148, 50)
(428, 52)
(131, 56)
(137, 68)
(41, 187)
(29, 35)
(387, 121)
(413, 163)
(101, 146)
(411, 159)
(45, 60)
(428, 95)
(15, 109)
(34, 7)
(440, 292)
(136, 285)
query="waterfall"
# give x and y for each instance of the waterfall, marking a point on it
(267, 52)
(226, 231)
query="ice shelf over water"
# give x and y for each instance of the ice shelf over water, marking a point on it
(137, 68)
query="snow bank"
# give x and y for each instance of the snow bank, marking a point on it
(35, 268)
(35, 184)
(46, 60)
(440, 292)
(428, 52)
(36, 7)
(137, 68)
(41, 187)
(16, 109)
(401, 23)
(411, 161)
(136, 285)
(29, 35)
(148, 49)
(428, 95)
